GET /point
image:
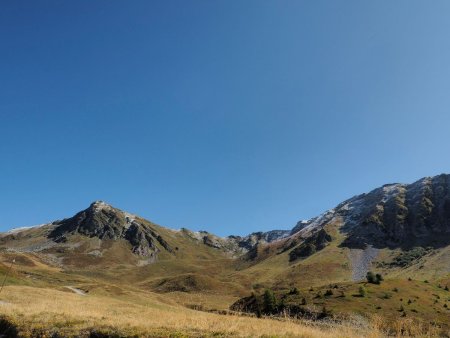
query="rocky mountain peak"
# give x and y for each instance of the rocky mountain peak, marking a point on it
(393, 215)
(98, 220)
(400, 215)
(99, 205)
(105, 222)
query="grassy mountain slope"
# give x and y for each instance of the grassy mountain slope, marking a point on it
(400, 231)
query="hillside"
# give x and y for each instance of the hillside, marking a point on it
(108, 244)
(401, 231)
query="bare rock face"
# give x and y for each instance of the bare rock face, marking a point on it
(99, 220)
(400, 215)
(237, 245)
(300, 226)
(249, 242)
(311, 245)
(142, 242)
(105, 222)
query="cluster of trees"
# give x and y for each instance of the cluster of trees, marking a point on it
(269, 302)
(271, 306)
(407, 258)
(374, 278)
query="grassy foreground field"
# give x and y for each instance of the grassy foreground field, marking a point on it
(42, 312)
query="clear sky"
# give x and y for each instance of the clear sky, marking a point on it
(227, 116)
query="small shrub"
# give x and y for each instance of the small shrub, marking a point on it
(379, 278)
(362, 291)
(370, 277)
(7, 328)
(328, 293)
(324, 313)
(294, 291)
(101, 334)
(387, 296)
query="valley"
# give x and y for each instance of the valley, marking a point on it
(105, 272)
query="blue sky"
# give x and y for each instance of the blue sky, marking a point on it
(228, 116)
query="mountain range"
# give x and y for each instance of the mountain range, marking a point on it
(401, 231)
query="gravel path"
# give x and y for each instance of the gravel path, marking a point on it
(361, 261)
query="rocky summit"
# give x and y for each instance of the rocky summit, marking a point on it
(106, 222)
(400, 215)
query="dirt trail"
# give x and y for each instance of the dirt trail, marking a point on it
(77, 291)
(361, 261)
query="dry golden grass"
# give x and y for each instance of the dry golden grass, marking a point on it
(142, 315)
